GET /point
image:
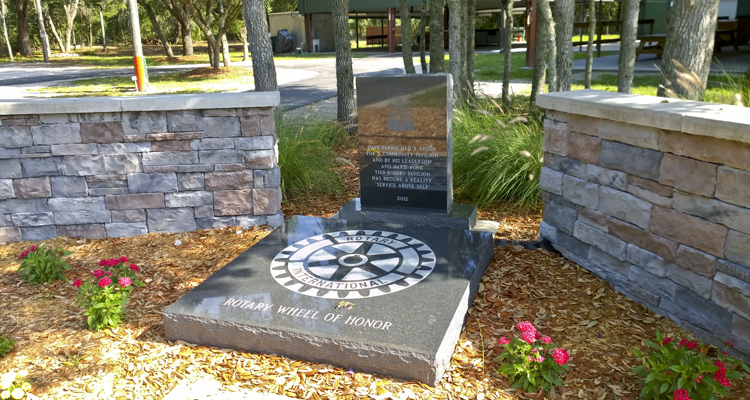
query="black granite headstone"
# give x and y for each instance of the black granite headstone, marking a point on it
(405, 147)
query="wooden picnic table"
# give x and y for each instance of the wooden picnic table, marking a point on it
(651, 44)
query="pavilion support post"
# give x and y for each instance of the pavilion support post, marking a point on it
(392, 30)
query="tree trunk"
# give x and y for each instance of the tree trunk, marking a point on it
(22, 17)
(225, 51)
(471, 23)
(344, 71)
(590, 44)
(544, 43)
(182, 15)
(157, 27)
(42, 32)
(422, 36)
(207, 21)
(54, 33)
(214, 48)
(264, 69)
(71, 9)
(245, 48)
(437, 43)
(104, 34)
(544, 13)
(456, 48)
(5, 31)
(564, 13)
(628, 35)
(508, 45)
(688, 50)
(405, 15)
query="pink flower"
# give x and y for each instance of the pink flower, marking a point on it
(561, 356)
(134, 267)
(537, 336)
(539, 359)
(526, 326)
(547, 340)
(125, 281)
(24, 254)
(32, 248)
(98, 273)
(666, 340)
(104, 282)
(504, 340)
(699, 378)
(123, 259)
(77, 283)
(528, 337)
(681, 394)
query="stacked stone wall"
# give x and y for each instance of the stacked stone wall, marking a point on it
(654, 197)
(124, 167)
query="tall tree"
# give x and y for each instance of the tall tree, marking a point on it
(224, 42)
(344, 70)
(590, 44)
(545, 48)
(437, 42)
(422, 36)
(403, 11)
(22, 18)
(563, 17)
(457, 47)
(207, 21)
(157, 27)
(104, 31)
(691, 26)
(71, 9)
(52, 28)
(5, 30)
(628, 35)
(508, 46)
(42, 32)
(471, 24)
(245, 45)
(182, 15)
(264, 69)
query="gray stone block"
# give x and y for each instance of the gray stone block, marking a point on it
(99, 117)
(160, 169)
(267, 178)
(624, 206)
(128, 216)
(551, 181)
(152, 183)
(190, 181)
(255, 143)
(107, 191)
(689, 279)
(275, 221)
(214, 222)
(734, 270)
(212, 144)
(560, 216)
(135, 201)
(119, 148)
(608, 263)
(195, 168)
(581, 192)
(32, 188)
(188, 135)
(62, 204)
(121, 229)
(221, 127)
(56, 134)
(10, 234)
(38, 233)
(37, 150)
(189, 199)
(220, 112)
(737, 218)
(170, 158)
(221, 156)
(572, 245)
(647, 260)
(9, 153)
(547, 231)
(601, 240)
(170, 220)
(122, 163)
(10, 169)
(697, 310)
(6, 189)
(184, 121)
(266, 201)
(696, 261)
(733, 283)
(640, 294)
(144, 122)
(250, 125)
(32, 219)
(57, 118)
(730, 299)
(18, 206)
(229, 167)
(82, 217)
(607, 177)
(204, 211)
(649, 196)
(84, 165)
(35, 167)
(565, 165)
(664, 287)
(737, 248)
(15, 136)
(247, 221)
(73, 149)
(27, 120)
(260, 159)
(90, 231)
(633, 160)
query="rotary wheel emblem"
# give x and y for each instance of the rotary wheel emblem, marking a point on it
(353, 264)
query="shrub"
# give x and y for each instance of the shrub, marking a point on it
(42, 265)
(6, 345)
(685, 371)
(104, 297)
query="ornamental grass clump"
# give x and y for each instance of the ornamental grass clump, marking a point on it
(14, 386)
(42, 265)
(686, 370)
(532, 361)
(105, 295)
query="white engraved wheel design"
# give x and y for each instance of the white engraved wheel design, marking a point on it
(353, 264)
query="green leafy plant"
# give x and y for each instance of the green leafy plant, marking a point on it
(104, 296)
(685, 370)
(6, 345)
(14, 386)
(532, 361)
(42, 265)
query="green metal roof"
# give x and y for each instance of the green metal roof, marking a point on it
(324, 6)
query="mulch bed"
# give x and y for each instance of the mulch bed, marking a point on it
(580, 312)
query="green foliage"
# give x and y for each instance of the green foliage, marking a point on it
(42, 265)
(670, 368)
(306, 160)
(105, 295)
(495, 158)
(6, 345)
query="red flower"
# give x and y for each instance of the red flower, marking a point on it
(134, 267)
(123, 259)
(699, 378)
(561, 356)
(690, 345)
(77, 283)
(24, 254)
(681, 394)
(102, 263)
(503, 340)
(98, 273)
(104, 282)
(528, 337)
(667, 340)
(125, 281)
(547, 340)
(32, 248)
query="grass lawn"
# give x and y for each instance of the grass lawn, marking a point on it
(489, 67)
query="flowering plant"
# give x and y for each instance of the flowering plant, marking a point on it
(13, 386)
(532, 361)
(42, 265)
(6, 345)
(683, 371)
(104, 296)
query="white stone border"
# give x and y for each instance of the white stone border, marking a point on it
(720, 121)
(139, 103)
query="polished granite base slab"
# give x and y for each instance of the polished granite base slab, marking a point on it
(382, 298)
(462, 216)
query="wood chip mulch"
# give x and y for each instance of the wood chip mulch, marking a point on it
(580, 312)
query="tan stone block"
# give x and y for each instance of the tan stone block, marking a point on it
(583, 124)
(687, 174)
(556, 115)
(649, 196)
(158, 137)
(584, 147)
(229, 180)
(134, 201)
(663, 247)
(696, 260)
(90, 231)
(188, 135)
(732, 186)
(555, 138)
(636, 135)
(593, 218)
(32, 188)
(267, 125)
(10, 234)
(692, 231)
(233, 202)
(171, 145)
(250, 125)
(741, 327)
(101, 132)
(651, 186)
(727, 152)
(266, 201)
(731, 299)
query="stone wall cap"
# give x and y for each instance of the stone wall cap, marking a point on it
(720, 121)
(86, 105)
